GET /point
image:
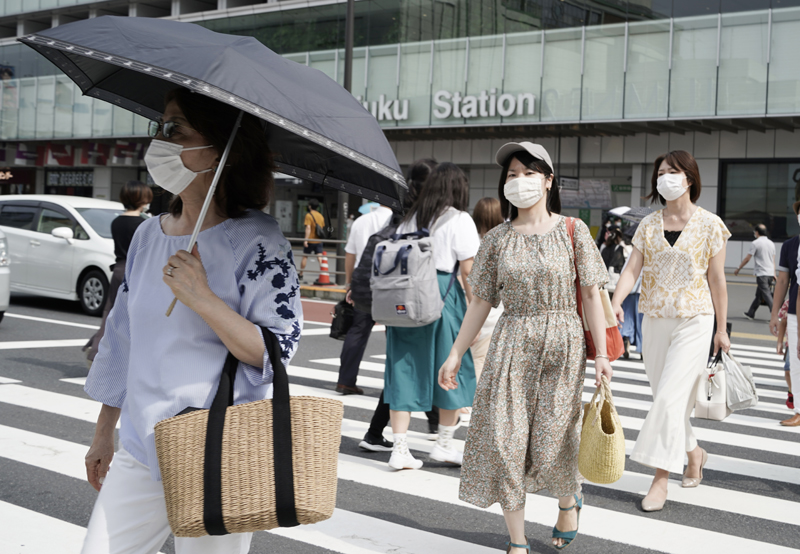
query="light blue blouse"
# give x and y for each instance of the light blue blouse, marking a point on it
(153, 366)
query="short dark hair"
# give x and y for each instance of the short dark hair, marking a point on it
(313, 203)
(246, 181)
(677, 159)
(418, 173)
(487, 214)
(446, 186)
(761, 229)
(135, 194)
(553, 201)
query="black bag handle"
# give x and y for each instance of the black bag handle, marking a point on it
(281, 442)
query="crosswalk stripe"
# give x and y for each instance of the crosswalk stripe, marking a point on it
(624, 528)
(66, 458)
(7, 381)
(51, 402)
(29, 532)
(331, 377)
(80, 381)
(28, 344)
(353, 533)
(53, 321)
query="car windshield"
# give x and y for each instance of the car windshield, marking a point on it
(100, 219)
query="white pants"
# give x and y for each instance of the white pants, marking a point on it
(130, 517)
(675, 354)
(794, 361)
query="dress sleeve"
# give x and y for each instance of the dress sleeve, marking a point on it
(107, 381)
(719, 235)
(484, 276)
(591, 269)
(638, 239)
(783, 260)
(270, 297)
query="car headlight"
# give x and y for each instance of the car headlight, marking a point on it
(5, 261)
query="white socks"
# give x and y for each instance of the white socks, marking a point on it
(445, 435)
(400, 443)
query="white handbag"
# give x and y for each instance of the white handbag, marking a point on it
(711, 402)
(741, 388)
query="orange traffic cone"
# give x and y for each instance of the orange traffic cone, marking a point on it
(324, 276)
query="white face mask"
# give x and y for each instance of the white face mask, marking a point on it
(670, 186)
(163, 160)
(523, 192)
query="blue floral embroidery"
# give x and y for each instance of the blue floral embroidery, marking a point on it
(124, 284)
(285, 296)
(262, 265)
(285, 312)
(288, 341)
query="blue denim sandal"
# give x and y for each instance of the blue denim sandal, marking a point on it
(568, 536)
(526, 546)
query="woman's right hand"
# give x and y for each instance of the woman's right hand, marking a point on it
(619, 313)
(448, 372)
(98, 459)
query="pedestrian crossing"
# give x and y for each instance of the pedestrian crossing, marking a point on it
(748, 502)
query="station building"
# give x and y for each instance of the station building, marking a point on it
(605, 86)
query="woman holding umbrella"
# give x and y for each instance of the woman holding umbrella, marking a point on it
(240, 276)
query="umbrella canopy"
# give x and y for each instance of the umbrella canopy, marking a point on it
(317, 130)
(636, 215)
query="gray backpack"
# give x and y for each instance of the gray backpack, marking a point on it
(405, 288)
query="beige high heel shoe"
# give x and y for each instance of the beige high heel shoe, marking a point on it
(691, 482)
(650, 506)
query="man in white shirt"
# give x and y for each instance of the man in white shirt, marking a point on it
(762, 251)
(357, 337)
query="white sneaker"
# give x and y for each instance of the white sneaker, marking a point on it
(448, 455)
(402, 457)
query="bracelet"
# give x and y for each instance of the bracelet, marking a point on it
(601, 356)
(721, 333)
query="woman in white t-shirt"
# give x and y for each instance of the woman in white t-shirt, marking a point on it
(413, 354)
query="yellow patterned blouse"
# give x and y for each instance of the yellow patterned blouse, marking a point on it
(674, 282)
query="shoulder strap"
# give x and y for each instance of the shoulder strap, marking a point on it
(571, 233)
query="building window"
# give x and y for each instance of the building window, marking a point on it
(760, 191)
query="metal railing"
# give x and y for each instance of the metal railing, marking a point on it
(301, 240)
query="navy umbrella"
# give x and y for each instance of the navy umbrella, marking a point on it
(318, 130)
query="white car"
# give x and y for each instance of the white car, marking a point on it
(5, 279)
(60, 246)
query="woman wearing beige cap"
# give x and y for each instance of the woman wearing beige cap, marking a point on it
(524, 432)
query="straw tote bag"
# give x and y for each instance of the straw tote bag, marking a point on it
(614, 345)
(253, 466)
(601, 457)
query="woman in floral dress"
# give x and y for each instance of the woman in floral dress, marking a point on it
(525, 426)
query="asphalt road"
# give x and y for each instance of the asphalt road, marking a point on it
(748, 502)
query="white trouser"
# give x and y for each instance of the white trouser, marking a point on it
(130, 517)
(675, 354)
(794, 361)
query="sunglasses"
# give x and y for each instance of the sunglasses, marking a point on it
(167, 128)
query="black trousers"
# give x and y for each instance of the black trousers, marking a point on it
(355, 343)
(380, 419)
(763, 293)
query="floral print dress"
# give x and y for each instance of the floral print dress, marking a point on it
(525, 427)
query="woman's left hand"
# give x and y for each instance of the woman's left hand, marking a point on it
(186, 276)
(602, 367)
(721, 340)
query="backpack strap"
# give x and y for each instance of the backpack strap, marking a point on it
(453, 277)
(571, 232)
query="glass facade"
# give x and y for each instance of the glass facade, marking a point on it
(727, 65)
(760, 192)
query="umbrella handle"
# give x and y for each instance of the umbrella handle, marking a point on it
(210, 195)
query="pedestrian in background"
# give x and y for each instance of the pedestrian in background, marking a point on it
(680, 253)
(373, 440)
(311, 246)
(135, 197)
(355, 342)
(782, 348)
(413, 354)
(487, 215)
(525, 427)
(150, 368)
(631, 327)
(787, 280)
(762, 251)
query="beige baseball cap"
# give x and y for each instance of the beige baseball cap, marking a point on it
(535, 150)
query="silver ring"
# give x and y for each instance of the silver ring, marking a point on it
(169, 271)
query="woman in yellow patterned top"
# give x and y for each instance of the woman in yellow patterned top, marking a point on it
(680, 251)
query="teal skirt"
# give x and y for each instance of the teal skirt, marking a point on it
(415, 354)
